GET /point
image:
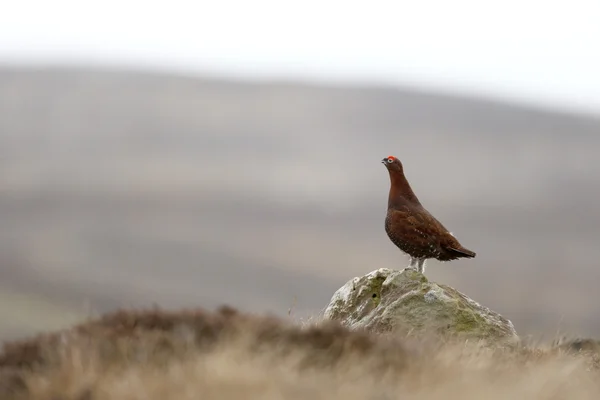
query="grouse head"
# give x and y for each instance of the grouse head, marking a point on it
(392, 164)
(400, 190)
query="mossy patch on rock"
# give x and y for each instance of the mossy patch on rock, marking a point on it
(406, 302)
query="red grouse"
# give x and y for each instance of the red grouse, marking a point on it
(412, 228)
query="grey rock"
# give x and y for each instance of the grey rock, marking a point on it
(407, 303)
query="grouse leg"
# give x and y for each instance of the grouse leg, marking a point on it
(421, 265)
(413, 264)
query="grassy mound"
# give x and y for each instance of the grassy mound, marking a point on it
(193, 354)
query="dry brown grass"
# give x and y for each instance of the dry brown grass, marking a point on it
(225, 354)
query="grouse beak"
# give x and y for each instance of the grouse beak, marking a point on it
(383, 160)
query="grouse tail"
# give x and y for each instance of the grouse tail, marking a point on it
(462, 252)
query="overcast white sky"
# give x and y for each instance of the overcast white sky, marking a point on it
(543, 51)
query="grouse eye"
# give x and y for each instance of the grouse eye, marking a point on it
(389, 160)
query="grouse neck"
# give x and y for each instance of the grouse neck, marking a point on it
(400, 191)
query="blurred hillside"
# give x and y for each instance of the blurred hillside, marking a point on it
(121, 188)
(153, 354)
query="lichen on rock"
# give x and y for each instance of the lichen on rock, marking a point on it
(406, 302)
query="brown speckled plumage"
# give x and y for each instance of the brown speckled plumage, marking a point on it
(412, 228)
